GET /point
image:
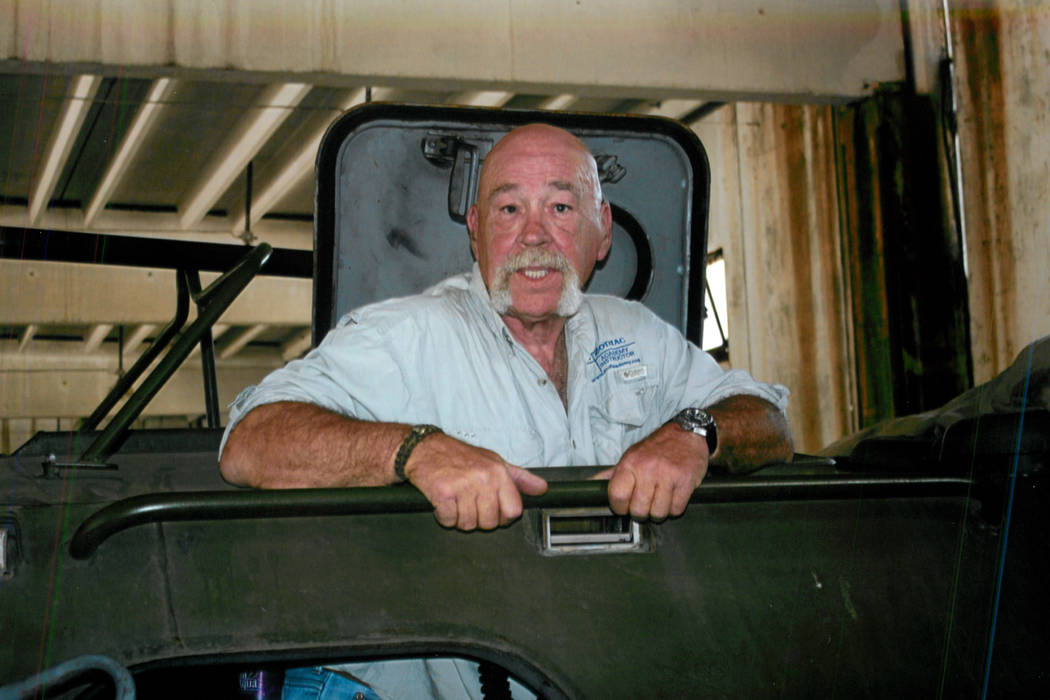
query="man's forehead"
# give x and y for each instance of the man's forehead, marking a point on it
(558, 169)
(553, 184)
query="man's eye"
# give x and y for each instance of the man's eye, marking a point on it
(562, 208)
(509, 208)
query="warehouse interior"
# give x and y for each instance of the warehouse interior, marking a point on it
(880, 175)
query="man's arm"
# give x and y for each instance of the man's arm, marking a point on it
(299, 445)
(752, 432)
(656, 477)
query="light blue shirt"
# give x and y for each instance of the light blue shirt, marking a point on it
(446, 357)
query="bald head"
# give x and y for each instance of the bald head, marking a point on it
(539, 140)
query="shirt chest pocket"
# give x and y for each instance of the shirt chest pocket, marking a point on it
(624, 414)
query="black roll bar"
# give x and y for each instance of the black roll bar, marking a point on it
(403, 498)
(125, 382)
(211, 303)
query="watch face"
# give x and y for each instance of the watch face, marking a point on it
(696, 418)
(699, 421)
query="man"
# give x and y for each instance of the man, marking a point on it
(464, 388)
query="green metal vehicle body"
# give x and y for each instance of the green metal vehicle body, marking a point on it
(893, 569)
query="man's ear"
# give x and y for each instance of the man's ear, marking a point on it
(605, 219)
(472, 228)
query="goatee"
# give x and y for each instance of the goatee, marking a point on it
(571, 296)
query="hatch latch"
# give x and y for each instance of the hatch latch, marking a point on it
(464, 159)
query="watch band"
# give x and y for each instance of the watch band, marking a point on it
(699, 421)
(414, 437)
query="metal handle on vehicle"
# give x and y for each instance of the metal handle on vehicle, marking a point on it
(247, 504)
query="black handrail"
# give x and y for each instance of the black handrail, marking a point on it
(293, 503)
(207, 341)
(19, 243)
(182, 312)
(212, 302)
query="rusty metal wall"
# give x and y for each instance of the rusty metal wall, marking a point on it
(906, 272)
(781, 214)
(775, 215)
(1003, 84)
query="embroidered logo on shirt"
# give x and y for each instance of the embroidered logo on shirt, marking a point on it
(612, 354)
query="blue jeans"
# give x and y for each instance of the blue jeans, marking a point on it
(321, 684)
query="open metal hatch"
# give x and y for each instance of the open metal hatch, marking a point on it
(394, 183)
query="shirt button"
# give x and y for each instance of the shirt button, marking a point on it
(541, 381)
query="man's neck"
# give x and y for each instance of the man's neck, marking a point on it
(545, 341)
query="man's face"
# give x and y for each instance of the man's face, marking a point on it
(538, 226)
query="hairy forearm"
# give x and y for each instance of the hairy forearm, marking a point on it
(299, 445)
(751, 433)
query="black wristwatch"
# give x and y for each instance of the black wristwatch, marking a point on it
(414, 437)
(699, 421)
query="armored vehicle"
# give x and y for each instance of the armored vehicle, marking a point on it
(906, 562)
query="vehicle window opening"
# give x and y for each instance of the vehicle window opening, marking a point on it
(716, 314)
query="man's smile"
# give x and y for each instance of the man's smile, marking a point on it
(536, 273)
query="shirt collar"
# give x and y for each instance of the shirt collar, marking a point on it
(483, 305)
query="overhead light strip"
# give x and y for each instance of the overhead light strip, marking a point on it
(275, 106)
(75, 108)
(144, 119)
(297, 168)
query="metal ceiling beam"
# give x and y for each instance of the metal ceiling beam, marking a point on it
(95, 336)
(557, 102)
(78, 101)
(143, 121)
(54, 293)
(30, 384)
(480, 98)
(27, 337)
(274, 105)
(700, 112)
(296, 235)
(822, 50)
(65, 355)
(673, 109)
(217, 332)
(292, 172)
(73, 246)
(137, 337)
(241, 340)
(299, 167)
(297, 346)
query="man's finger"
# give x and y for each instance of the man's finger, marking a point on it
(509, 503)
(445, 513)
(488, 509)
(680, 499)
(527, 482)
(604, 474)
(621, 487)
(662, 500)
(467, 513)
(642, 499)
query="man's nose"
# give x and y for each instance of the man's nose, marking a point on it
(535, 231)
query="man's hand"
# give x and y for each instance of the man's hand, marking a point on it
(656, 477)
(470, 487)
